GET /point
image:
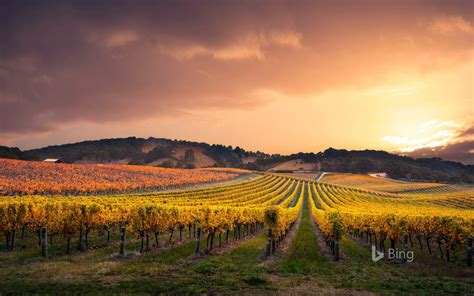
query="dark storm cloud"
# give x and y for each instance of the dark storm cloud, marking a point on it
(460, 152)
(68, 61)
(460, 149)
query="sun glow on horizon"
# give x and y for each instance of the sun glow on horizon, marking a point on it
(430, 134)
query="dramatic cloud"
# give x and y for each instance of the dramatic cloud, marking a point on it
(72, 63)
(457, 151)
(247, 47)
(448, 140)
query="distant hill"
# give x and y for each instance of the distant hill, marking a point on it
(151, 151)
(186, 154)
(366, 161)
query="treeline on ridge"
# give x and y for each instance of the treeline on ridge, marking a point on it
(186, 154)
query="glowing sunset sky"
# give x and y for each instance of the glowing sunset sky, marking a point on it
(275, 76)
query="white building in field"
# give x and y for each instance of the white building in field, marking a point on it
(52, 160)
(378, 175)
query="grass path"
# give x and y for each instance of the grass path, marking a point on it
(303, 257)
(238, 270)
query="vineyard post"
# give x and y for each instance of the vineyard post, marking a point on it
(23, 231)
(273, 246)
(122, 240)
(469, 251)
(44, 242)
(13, 240)
(405, 245)
(336, 244)
(198, 240)
(269, 242)
(212, 239)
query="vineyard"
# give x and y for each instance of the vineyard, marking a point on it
(448, 221)
(373, 183)
(30, 177)
(201, 223)
(208, 211)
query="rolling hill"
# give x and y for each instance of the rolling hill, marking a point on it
(185, 154)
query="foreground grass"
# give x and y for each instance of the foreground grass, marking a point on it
(166, 271)
(87, 272)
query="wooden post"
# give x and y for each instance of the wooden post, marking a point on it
(336, 244)
(212, 241)
(13, 240)
(198, 240)
(122, 240)
(273, 246)
(269, 242)
(469, 251)
(405, 245)
(44, 242)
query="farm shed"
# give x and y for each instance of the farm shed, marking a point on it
(52, 160)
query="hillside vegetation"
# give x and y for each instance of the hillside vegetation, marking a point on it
(185, 154)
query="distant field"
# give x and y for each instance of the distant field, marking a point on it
(374, 183)
(30, 177)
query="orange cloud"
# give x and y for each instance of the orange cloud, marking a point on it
(249, 46)
(451, 24)
(120, 38)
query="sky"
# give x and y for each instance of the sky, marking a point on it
(274, 76)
